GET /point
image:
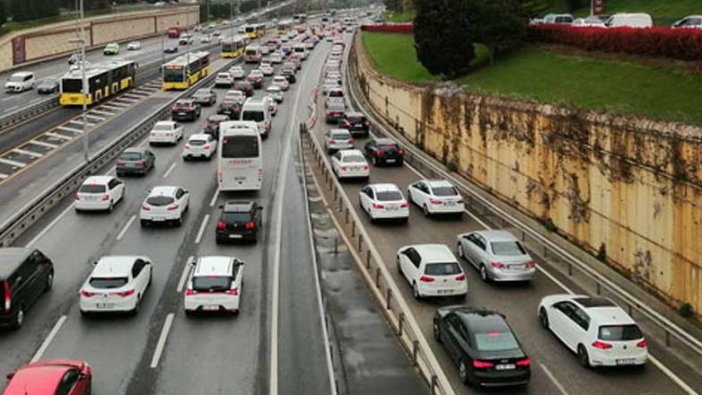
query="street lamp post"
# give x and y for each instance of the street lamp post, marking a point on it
(83, 85)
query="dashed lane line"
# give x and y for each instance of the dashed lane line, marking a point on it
(126, 227)
(28, 153)
(43, 144)
(184, 275)
(67, 129)
(200, 232)
(170, 169)
(45, 345)
(162, 340)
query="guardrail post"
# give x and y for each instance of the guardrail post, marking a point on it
(599, 291)
(346, 215)
(415, 350)
(667, 339)
(368, 259)
(434, 384)
(336, 246)
(388, 295)
(353, 229)
(400, 322)
(377, 277)
(570, 269)
(360, 241)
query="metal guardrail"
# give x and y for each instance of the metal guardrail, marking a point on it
(377, 275)
(34, 210)
(556, 256)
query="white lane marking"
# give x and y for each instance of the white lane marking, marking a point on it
(672, 375)
(66, 128)
(184, 276)
(28, 153)
(47, 145)
(10, 109)
(3, 176)
(89, 115)
(105, 113)
(54, 331)
(51, 225)
(56, 136)
(162, 340)
(126, 226)
(13, 163)
(198, 238)
(553, 379)
(214, 198)
(35, 100)
(6, 99)
(554, 279)
(170, 169)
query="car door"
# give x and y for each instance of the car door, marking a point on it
(140, 276)
(116, 188)
(182, 197)
(471, 246)
(416, 265)
(30, 275)
(369, 148)
(452, 338)
(422, 194)
(336, 162)
(578, 327)
(69, 384)
(481, 254)
(365, 196)
(560, 321)
(405, 262)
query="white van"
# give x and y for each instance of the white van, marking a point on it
(257, 110)
(20, 82)
(638, 19)
(240, 157)
(301, 49)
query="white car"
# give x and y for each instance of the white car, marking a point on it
(276, 58)
(164, 204)
(99, 193)
(237, 72)
(329, 85)
(235, 96)
(214, 285)
(281, 82)
(431, 270)
(338, 139)
(384, 201)
(265, 50)
(224, 79)
(200, 145)
(166, 132)
(116, 284)
(436, 197)
(350, 164)
(20, 82)
(205, 39)
(598, 331)
(272, 104)
(275, 93)
(134, 46)
(266, 69)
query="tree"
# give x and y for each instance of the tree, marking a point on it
(499, 24)
(443, 38)
(3, 17)
(393, 5)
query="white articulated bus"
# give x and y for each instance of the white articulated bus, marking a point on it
(240, 161)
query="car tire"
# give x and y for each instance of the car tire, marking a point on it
(49, 281)
(460, 251)
(19, 318)
(179, 221)
(84, 313)
(415, 292)
(463, 372)
(120, 174)
(111, 207)
(543, 318)
(135, 310)
(374, 160)
(425, 210)
(435, 330)
(483, 273)
(583, 358)
(144, 223)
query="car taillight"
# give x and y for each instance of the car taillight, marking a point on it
(460, 277)
(174, 108)
(105, 197)
(145, 207)
(76, 197)
(332, 142)
(482, 364)
(378, 205)
(233, 292)
(365, 167)
(400, 151)
(173, 207)
(190, 292)
(125, 293)
(524, 362)
(260, 173)
(221, 225)
(366, 123)
(498, 265)
(601, 345)
(350, 141)
(8, 297)
(531, 264)
(329, 113)
(206, 148)
(434, 201)
(142, 162)
(642, 344)
(346, 123)
(426, 279)
(187, 145)
(120, 162)
(404, 205)
(378, 152)
(87, 294)
(250, 225)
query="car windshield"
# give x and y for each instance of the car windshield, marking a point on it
(224, 75)
(108, 282)
(389, 196)
(445, 191)
(620, 332)
(211, 283)
(202, 92)
(129, 156)
(353, 159)
(442, 269)
(495, 341)
(92, 188)
(232, 217)
(257, 116)
(507, 248)
(337, 106)
(159, 201)
(16, 78)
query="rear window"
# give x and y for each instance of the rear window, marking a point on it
(356, 119)
(212, 283)
(257, 116)
(341, 136)
(388, 196)
(240, 147)
(160, 200)
(163, 127)
(507, 248)
(336, 93)
(442, 269)
(197, 142)
(445, 191)
(108, 282)
(354, 159)
(251, 52)
(130, 156)
(236, 217)
(495, 341)
(620, 332)
(92, 188)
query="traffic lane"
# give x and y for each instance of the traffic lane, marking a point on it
(539, 344)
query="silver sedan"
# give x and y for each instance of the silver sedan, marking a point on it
(497, 255)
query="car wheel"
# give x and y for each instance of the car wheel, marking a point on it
(179, 221)
(461, 253)
(437, 336)
(583, 358)
(49, 281)
(397, 261)
(415, 292)
(483, 273)
(374, 161)
(425, 210)
(135, 310)
(19, 318)
(543, 318)
(144, 223)
(110, 207)
(120, 174)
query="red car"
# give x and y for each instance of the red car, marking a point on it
(61, 376)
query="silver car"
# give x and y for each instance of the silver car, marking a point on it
(497, 255)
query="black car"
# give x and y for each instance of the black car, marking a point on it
(238, 221)
(483, 345)
(245, 87)
(75, 58)
(289, 75)
(173, 49)
(25, 274)
(384, 151)
(212, 124)
(335, 111)
(185, 110)
(135, 160)
(48, 86)
(205, 97)
(356, 123)
(229, 108)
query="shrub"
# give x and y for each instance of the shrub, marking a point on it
(686, 310)
(403, 28)
(658, 41)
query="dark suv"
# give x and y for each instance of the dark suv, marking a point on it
(212, 125)
(356, 123)
(238, 221)
(25, 274)
(231, 109)
(185, 110)
(384, 151)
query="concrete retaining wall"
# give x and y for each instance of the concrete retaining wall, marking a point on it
(627, 189)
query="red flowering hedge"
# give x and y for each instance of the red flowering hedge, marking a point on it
(658, 41)
(404, 28)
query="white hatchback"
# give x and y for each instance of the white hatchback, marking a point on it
(436, 197)
(266, 69)
(350, 164)
(237, 72)
(214, 285)
(384, 201)
(338, 139)
(200, 145)
(116, 284)
(99, 193)
(235, 96)
(166, 132)
(164, 204)
(134, 46)
(224, 79)
(281, 82)
(431, 270)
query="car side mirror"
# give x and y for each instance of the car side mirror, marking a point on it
(186, 191)
(192, 262)
(82, 376)
(94, 263)
(10, 375)
(260, 208)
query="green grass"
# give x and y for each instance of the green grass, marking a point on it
(664, 12)
(574, 81)
(405, 16)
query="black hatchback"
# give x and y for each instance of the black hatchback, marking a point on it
(483, 345)
(384, 151)
(238, 221)
(356, 123)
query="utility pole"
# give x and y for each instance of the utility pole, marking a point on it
(84, 84)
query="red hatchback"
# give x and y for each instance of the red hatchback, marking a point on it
(61, 376)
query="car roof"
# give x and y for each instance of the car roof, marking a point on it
(350, 152)
(11, 258)
(603, 311)
(480, 320)
(354, 114)
(434, 252)
(22, 73)
(98, 180)
(385, 141)
(208, 265)
(135, 149)
(497, 235)
(163, 190)
(384, 187)
(115, 265)
(339, 130)
(438, 183)
(238, 206)
(199, 136)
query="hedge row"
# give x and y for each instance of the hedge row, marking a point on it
(404, 28)
(659, 41)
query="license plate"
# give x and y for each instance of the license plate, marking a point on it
(181, 113)
(449, 203)
(158, 219)
(445, 291)
(393, 208)
(626, 361)
(104, 305)
(235, 236)
(390, 160)
(516, 267)
(506, 366)
(356, 168)
(131, 164)
(210, 308)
